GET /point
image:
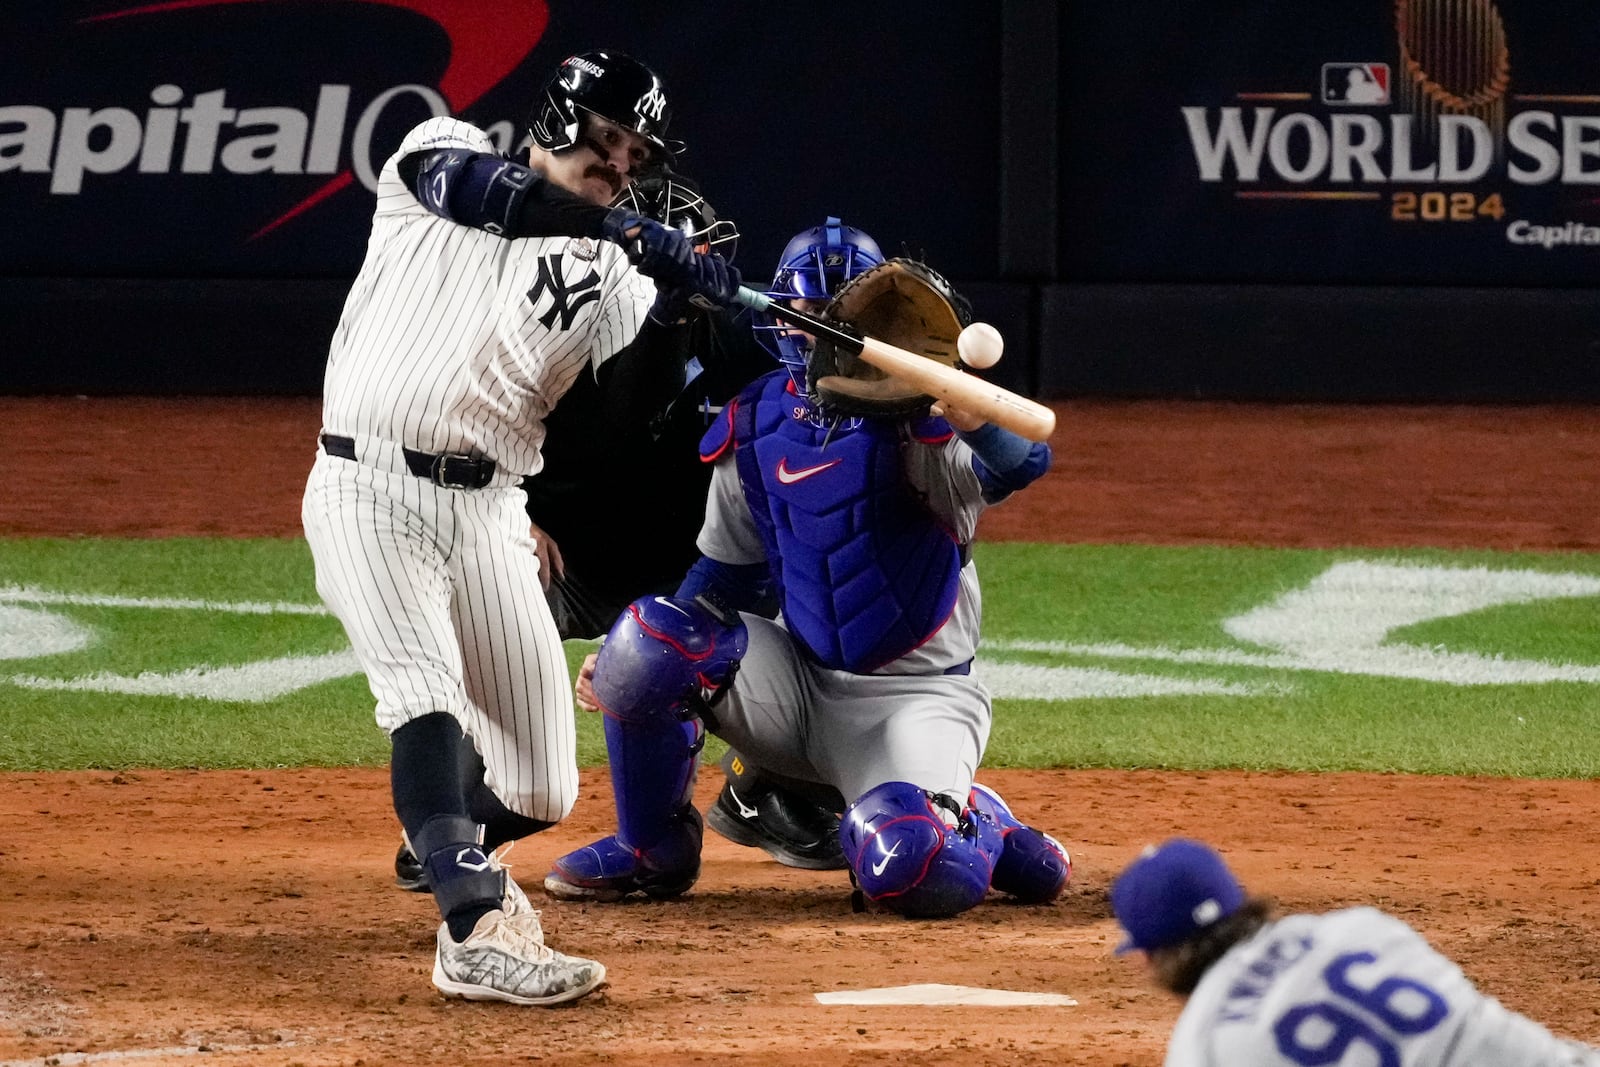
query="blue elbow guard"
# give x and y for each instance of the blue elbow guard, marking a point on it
(473, 188)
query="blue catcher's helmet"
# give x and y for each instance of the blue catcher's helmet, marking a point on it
(814, 264)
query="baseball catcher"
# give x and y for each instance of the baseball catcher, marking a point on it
(857, 507)
(623, 442)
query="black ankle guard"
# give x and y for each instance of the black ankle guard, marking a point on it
(469, 890)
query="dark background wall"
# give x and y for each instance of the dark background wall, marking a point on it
(186, 200)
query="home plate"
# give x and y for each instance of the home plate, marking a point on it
(946, 994)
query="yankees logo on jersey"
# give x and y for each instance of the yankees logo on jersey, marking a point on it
(553, 281)
(410, 363)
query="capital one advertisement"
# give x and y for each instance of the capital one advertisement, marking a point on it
(216, 138)
(1415, 142)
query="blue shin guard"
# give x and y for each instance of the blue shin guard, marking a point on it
(908, 857)
(664, 661)
(653, 765)
(1033, 866)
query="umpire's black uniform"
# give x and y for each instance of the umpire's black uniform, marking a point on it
(623, 491)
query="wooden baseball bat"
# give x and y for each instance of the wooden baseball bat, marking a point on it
(984, 399)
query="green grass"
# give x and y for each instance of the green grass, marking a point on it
(1136, 612)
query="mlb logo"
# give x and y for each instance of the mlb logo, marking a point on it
(1355, 84)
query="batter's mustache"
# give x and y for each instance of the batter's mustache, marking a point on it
(608, 174)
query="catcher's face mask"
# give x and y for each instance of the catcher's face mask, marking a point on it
(674, 200)
(813, 266)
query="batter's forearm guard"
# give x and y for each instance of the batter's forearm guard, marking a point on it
(497, 195)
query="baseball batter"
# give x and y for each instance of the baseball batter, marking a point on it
(863, 527)
(623, 442)
(489, 285)
(1345, 988)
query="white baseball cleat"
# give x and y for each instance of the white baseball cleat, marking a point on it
(505, 958)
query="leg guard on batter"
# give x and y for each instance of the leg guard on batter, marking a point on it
(910, 853)
(663, 663)
(1033, 867)
(465, 882)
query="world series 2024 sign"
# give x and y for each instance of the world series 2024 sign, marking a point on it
(1399, 141)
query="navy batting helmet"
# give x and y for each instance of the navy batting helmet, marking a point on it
(609, 84)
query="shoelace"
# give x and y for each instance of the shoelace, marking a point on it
(521, 934)
(514, 893)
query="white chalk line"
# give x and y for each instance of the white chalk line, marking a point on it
(1338, 624)
(70, 1059)
(21, 594)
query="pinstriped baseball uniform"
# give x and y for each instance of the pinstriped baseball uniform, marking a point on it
(906, 721)
(1348, 988)
(455, 340)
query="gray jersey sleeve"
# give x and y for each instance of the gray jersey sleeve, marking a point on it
(943, 474)
(729, 534)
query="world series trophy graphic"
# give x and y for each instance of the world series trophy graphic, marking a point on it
(1453, 61)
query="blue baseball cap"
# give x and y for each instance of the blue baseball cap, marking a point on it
(1172, 892)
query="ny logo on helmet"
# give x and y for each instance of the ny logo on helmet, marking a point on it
(651, 103)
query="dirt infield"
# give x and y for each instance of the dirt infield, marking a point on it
(248, 917)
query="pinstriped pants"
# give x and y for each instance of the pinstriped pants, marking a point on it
(438, 590)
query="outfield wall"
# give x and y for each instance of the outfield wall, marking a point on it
(1149, 199)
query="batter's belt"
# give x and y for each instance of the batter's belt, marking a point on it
(448, 470)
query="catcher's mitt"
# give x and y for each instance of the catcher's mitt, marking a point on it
(903, 302)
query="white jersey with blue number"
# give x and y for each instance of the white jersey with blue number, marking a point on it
(1354, 988)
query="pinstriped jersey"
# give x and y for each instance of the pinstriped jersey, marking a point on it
(1349, 989)
(454, 339)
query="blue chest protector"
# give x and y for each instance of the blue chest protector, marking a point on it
(865, 572)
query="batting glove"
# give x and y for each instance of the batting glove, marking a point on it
(665, 254)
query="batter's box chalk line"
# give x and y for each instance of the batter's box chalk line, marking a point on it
(936, 993)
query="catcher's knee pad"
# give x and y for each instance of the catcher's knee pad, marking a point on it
(663, 664)
(1032, 866)
(668, 658)
(910, 853)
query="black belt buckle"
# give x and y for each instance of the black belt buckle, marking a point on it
(451, 470)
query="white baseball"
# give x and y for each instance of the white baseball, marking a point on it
(980, 345)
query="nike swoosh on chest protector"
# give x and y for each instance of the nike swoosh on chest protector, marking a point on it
(789, 477)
